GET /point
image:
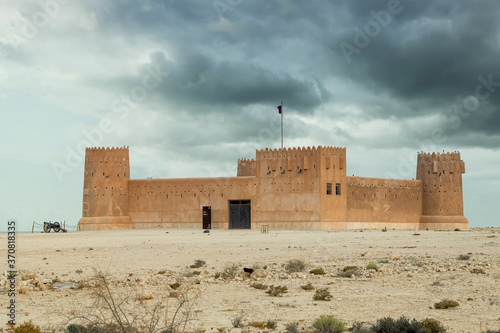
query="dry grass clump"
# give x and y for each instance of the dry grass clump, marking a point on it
(328, 324)
(295, 265)
(292, 327)
(277, 291)
(307, 286)
(373, 266)
(322, 294)
(259, 286)
(229, 272)
(27, 327)
(446, 304)
(463, 257)
(349, 271)
(317, 271)
(237, 322)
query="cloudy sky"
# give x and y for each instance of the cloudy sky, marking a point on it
(193, 85)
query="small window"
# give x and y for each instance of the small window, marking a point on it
(329, 188)
(337, 189)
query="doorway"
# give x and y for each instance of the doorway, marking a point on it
(239, 214)
(207, 217)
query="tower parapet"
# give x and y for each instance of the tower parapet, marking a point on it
(442, 198)
(105, 189)
(246, 167)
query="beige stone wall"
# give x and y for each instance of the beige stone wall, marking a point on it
(246, 168)
(179, 202)
(383, 200)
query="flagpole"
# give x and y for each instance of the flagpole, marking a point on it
(281, 124)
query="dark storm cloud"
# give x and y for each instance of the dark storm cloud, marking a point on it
(425, 60)
(430, 56)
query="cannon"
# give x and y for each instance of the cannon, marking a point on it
(47, 226)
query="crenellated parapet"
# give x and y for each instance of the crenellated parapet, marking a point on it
(246, 167)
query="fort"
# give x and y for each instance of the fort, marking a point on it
(291, 188)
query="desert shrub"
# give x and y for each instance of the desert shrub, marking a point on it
(492, 331)
(360, 328)
(196, 272)
(432, 325)
(328, 324)
(200, 263)
(463, 257)
(477, 271)
(272, 324)
(258, 324)
(437, 284)
(295, 265)
(446, 304)
(372, 265)
(75, 328)
(322, 295)
(174, 286)
(317, 271)
(403, 324)
(349, 271)
(237, 322)
(292, 328)
(307, 286)
(27, 327)
(277, 290)
(259, 286)
(229, 271)
(161, 272)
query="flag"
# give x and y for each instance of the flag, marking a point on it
(279, 109)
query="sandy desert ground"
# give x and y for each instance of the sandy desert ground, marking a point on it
(414, 273)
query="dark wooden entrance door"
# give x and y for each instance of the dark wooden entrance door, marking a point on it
(239, 214)
(207, 217)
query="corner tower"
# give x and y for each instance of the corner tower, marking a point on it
(442, 197)
(105, 189)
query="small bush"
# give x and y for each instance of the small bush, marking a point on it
(477, 271)
(463, 257)
(446, 304)
(161, 272)
(174, 286)
(198, 263)
(349, 271)
(403, 324)
(277, 291)
(259, 286)
(237, 322)
(372, 265)
(328, 324)
(437, 284)
(271, 324)
(432, 325)
(292, 328)
(322, 295)
(307, 286)
(229, 271)
(27, 327)
(317, 271)
(258, 324)
(295, 265)
(360, 328)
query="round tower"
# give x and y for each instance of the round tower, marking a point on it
(105, 189)
(442, 198)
